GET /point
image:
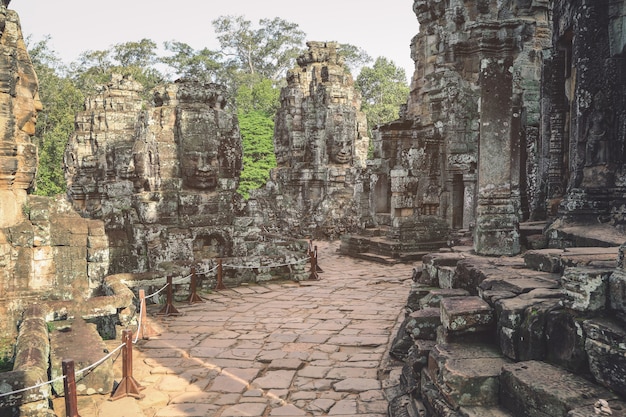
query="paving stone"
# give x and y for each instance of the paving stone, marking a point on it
(344, 407)
(285, 364)
(186, 410)
(356, 385)
(245, 409)
(288, 410)
(275, 379)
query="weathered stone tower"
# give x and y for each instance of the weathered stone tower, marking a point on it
(472, 115)
(321, 145)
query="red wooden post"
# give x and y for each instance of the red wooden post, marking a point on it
(169, 309)
(145, 330)
(193, 296)
(317, 264)
(220, 279)
(128, 386)
(69, 387)
(313, 258)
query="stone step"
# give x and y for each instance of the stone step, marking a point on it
(466, 374)
(538, 389)
(555, 260)
(80, 341)
(374, 257)
(461, 315)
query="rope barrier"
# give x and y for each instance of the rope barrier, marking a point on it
(140, 323)
(41, 384)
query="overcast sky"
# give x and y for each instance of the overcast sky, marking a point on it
(381, 28)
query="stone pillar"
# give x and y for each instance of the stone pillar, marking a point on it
(469, 200)
(497, 222)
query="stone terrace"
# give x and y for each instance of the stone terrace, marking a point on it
(279, 349)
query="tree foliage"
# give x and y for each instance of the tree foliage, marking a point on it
(187, 62)
(137, 59)
(383, 89)
(257, 131)
(55, 123)
(269, 50)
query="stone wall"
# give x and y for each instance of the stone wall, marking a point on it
(584, 114)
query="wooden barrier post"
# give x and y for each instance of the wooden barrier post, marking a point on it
(313, 259)
(145, 330)
(69, 388)
(193, 296)
(169, 309)
(128, 386)
(220, 277)
(317, 263)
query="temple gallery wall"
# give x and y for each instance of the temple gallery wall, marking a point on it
(511, 141)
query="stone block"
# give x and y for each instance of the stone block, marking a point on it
(466, 314)
(586, 288)
(606, 351)
(521, 326)
(415, 295)
(538, 389)
(517, 283)
(617, 291)
(466, 374)
(418, 354)
(422, 324)
(566, 341)
(434, 297)
(447, 277)
(80, 342)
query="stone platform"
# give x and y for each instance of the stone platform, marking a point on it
(279, 349)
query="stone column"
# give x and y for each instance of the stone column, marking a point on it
(497, 222)
(469, 199)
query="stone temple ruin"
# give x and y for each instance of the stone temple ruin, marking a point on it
(503, 179)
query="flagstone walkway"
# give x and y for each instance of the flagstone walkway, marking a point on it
(313, 348)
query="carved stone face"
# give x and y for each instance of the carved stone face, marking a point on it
(27, 100)
(340, 150)
(199, 164)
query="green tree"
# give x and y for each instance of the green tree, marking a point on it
(354, 57)
(257, 132)
(269, 50)
(258, 94)
(383, 89)
(61, 101)
(137, 59)
(186, 62)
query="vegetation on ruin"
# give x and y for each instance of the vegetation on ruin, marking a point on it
(383, 89)
(252, 62)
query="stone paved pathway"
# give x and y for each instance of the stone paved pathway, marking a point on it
(282, 349)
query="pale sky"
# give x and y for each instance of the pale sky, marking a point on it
(381, 28)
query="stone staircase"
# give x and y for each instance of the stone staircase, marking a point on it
(539, 335)
(382, 244)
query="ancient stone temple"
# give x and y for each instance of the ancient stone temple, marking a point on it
(471, 119)
(163, 176)
(162, 179)
(321, 145)
(583, 127)
(48, 253)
